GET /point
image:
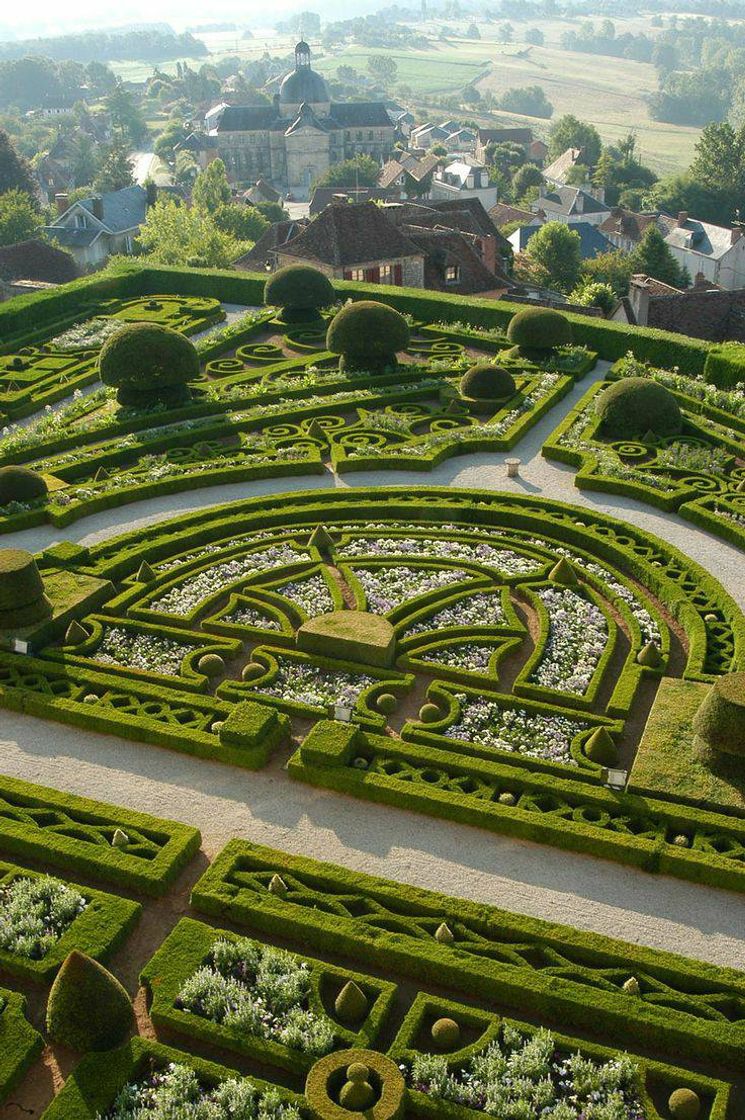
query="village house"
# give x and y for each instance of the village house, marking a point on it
(464, 180)
(93, 229)
(557, 173)
(591, 241)
(408, 174)
(571, 204)
(702, 311)
(625, 228)
(717, 253)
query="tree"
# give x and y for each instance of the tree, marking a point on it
(719, 163)
(173, 234)
(535, 37)
(594, 293)
(19, 217)
(383, 68)
(505, 33)
(211, 188)
(529, 101)
(186, 169)
(526, 176)
(360, 171)
(115, 172)
(569, 132)
(555, 248)
(126, 118)
(653, 258)
(15, 173)
(613, 268)
(86, 160)
(473, 32)
(683, 192)
(244, 223)
(272, 211)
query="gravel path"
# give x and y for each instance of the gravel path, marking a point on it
(268, 808)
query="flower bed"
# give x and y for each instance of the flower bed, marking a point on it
(532, 734)
(35, 913)
(577, 637)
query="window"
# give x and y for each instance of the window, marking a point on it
(359, 136)
(355, 274)
(452, 274)
(370, 134)
(386, 274)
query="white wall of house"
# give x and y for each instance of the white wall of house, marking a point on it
(728, 271)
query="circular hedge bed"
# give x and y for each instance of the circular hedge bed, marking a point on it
(300, 291)
(636, 405)
(148, 363)
(367, 335)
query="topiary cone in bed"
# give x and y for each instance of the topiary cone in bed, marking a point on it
(601, 748)
(719, 722)
(75, 634)
(321, 539)
(351, 1003)
(650, 656)
(563, 572)
(88, 1008)
(22, 598)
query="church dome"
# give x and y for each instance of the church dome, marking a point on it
(302, 83)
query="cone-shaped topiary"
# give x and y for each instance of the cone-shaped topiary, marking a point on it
(147, 363)
(367, 335)
(719, 723)
(300, 291)
(564, 572)
(445, 1034)
(387, 703)
(357, 1094)
(538, 330)
(650, 656)
(684, 1104)
(22, 598)
(211, 664)
(631, 986)
(635, 405)
(484, 386)
(88, 1009)
(601, 748)
(75, 634)
(20, 484)
(101, 475)
(277, 886)
(321, 539)
(429, 713)
(351, 1004)
(119, 839)
(444, 934)
(145, 573)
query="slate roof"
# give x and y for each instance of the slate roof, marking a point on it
(266, 118)
(443, 248)
(563, 164)
(360, 114)
(249, 118)
(628, 223)
(701, 237)
(72, 238)
(502, 214)
(592, 242)
(122, 210)
(505, 135)
(262, 191)
(278, 234)
(345, 235)
(324, 196)
(569, 201)
(36, 260)
(418, 168)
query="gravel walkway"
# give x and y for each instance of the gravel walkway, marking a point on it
(268, 808)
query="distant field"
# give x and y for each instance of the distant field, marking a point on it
(442, 69)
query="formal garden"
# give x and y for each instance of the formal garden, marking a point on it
(490, 656)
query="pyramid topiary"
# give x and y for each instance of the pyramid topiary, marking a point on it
(277, 886)
(75, 634)
(20, 484)
(684, 1104)
(719, 722)
(631, 986)
(650, 656)
(351, 1004)
(368, 336)
(300, 291)
(563, 572)
(145, 573)
(601, 748)
(148, 363)
(88, 1008)
(444, 934)
(445, 1034)
(22, 598)
(635, 405)
(321, 539)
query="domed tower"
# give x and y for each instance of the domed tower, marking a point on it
(303, 86)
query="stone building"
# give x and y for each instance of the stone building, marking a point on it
(297, 138)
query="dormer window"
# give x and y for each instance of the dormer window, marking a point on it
(452, 274)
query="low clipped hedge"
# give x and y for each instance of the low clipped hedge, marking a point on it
(69, 849)
(725, 365)
(20, 1044)
(231, 889)
(99, 930)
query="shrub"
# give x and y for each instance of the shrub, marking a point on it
(357, 1094)
(20, 484)
(146, 363)
(720, 721)
(88, 1009)
(368, 335)
(351, 1003)
(429, 713)
(538, 329)
(725, 365)
(684, 1104)
(636, 405)
(211, 664)
(445, 1034)
(387, 703)
(22, 598)
(600, 748)
(485, 382)
(300, 291)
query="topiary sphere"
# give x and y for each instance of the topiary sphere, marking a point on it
(211, 664)
(635, 405)
(445, 1034)
(20, 484)
(539, 329)
(719, 722)
(368, 335)
(357, 1094)
(300, 291)
(429, 713)
(22, 598)
(684, 1104)
(252, 670)
(485, 382)
(147, 363)
(88, 1009)
(387, 703)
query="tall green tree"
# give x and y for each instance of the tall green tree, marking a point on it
(211, 188)
(555, 248)
(126, 116)
(569, 132)
(115, 172)
(19, 217)
(653, 258)
(15, 172)
(383, 68)
(360, 171)
(173, 234)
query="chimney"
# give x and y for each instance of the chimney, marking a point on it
(62, 202)
(682, 217)
(97, 207)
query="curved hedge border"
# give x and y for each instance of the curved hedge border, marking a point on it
(20, 1044)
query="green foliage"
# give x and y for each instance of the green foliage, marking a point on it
(301, 291)
(720, 721)
(19, 217)
(211, 664)
(528, 101)
(359, 171)
(20, 484)
(351, 1004)
(725, 365)
(569, 132)
(601, 748)
(635, 405)
(244, 223)
(487, 382)
(115, 172)
(445, 1034)
(594, 293)
(211, 188)
(22, 599)
(174, 235)
(367, 335)
(147, 362)
(653, 258)
(349, 635)
(15, 173)
(127, 119)
(684, 1104)
(556, 249)
(539, 329)
(88, 1008)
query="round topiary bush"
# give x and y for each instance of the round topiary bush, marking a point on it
(635, 405)
(684, 1104)
(20, 484)
(445, 1033)
(357, 1094)
(719, 723)
(429, 713)
(252, 670)
(537, 330)
(88, 1009)
(22, 598)
(387, 703)
(148, 363)
(484, 386)
(300, 291)
(211, 664)
(367, 335)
